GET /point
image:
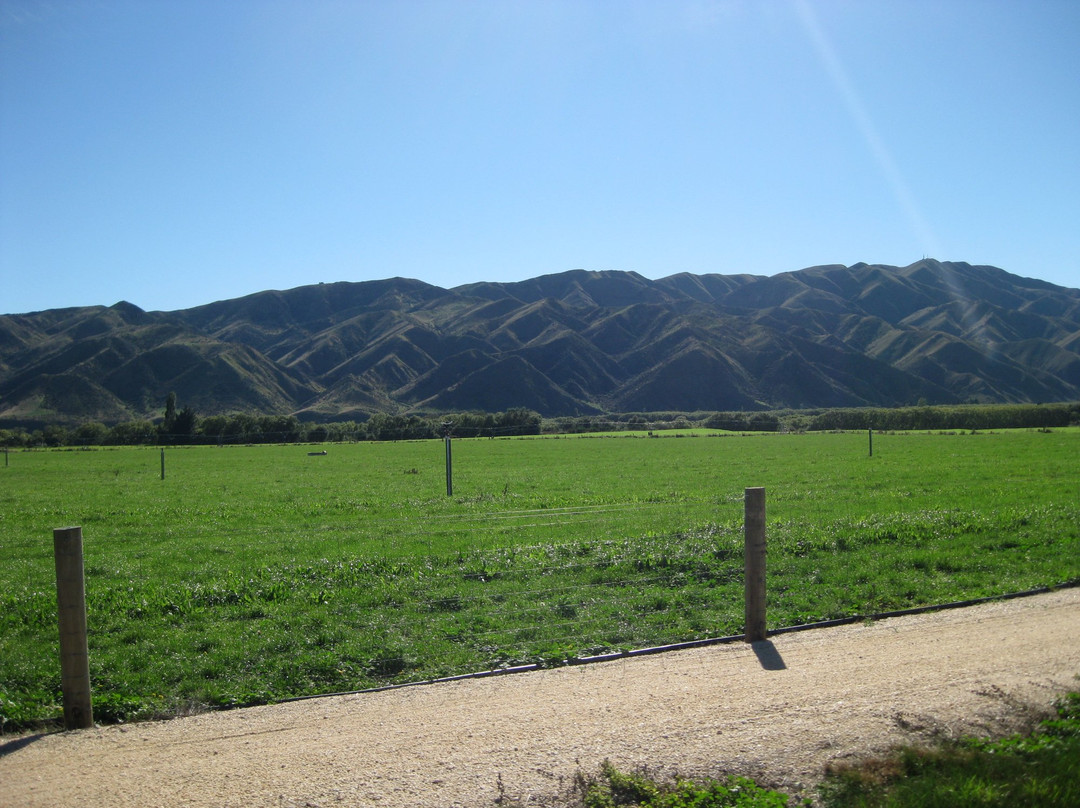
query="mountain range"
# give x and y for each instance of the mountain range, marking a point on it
(576, 342)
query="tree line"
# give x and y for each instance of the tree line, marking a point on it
(186, 427)
(885, 419)
(945, 417)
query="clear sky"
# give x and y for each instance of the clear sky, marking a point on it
(177, 153)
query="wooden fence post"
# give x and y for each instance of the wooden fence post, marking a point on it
(71, 613)
(754, 536)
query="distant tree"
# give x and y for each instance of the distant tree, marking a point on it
(518, 421)
(184, 425)
(14, 437)
(213, 427)
(131, 433)
(763, 422)
(345, 431)
(281, 428)
(90, 433)
(242, 428)
(170, 413)
(417, 428)
(54, 435)
(379, 427)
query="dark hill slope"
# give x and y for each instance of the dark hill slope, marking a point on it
(568, 343)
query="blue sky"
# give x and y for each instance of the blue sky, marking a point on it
(177, 153)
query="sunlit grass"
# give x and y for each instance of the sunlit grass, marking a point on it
(252, 574)
(1040, 770)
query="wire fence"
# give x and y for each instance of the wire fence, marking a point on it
(208, 596)
(311, 610)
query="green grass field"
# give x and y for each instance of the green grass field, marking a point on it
(252, 574)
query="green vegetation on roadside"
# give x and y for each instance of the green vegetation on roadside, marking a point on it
(1040, 770)
(255, 574)
(613, 788)
(1036, 770)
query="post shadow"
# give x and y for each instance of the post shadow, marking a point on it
(768, 656)
(7, 747)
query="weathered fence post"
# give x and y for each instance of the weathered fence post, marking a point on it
(71, 612)
(870, 434)
(163, 462)
(754, 536)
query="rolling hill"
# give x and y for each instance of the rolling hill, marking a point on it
(576, 342)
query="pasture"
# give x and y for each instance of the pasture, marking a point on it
(253, 574)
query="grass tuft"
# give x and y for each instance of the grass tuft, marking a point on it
(613, 789)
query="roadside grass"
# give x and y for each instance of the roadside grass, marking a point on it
(613, 788)
(1036, 770)
(1040, 770)
(255, 574)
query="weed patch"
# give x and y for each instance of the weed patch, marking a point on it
(1040, 770)
(613, 788)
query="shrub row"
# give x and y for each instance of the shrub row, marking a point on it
(247, 428)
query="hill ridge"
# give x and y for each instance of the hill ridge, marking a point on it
(568, 343)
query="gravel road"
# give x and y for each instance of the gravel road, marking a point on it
(778, 710)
